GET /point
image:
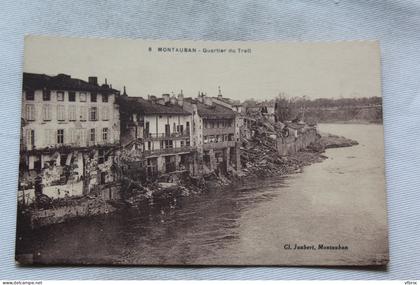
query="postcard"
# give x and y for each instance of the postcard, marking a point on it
(150, 152)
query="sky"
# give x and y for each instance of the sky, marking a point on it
(314, 70)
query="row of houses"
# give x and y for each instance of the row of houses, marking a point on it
(76, 132)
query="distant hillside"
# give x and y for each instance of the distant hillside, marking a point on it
(357, 110)
(352, 114)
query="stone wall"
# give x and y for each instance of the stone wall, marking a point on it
(292, 143)
(82, 208)
(27, 197)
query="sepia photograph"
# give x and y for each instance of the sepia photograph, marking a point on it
(150, 152)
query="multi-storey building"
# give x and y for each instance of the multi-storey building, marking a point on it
(69, 127)
(243, 122)
(215, 134)
(160, 130)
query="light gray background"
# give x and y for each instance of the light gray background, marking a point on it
(395, 23)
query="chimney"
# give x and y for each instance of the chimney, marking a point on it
(219, 96)
(93, 80)
(125, 93)
(181, 99)
(105, 85)
(165, 97)
(200, 97)
(173, 100)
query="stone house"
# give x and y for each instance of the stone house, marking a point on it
(158, 130)
(69, 129)
(215, 135)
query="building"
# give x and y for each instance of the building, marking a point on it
(243, 122)
(215, 135)
(265, 109)
(69, 129)
(158, 131)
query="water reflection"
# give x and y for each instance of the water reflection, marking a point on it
(171, 232)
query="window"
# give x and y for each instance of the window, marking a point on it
(73, 136)
(187, 142)
(72, 113)
(61, 113)
(83, 136)
(93, 97)
(182, 143)
(92, 135)
(104, 98)
(72, 96)
(60, 96)
(46, 95)
(83, 113)
(167, 129)
(32, 138)
(169, 144)
(93, 114)
(30, 112)
(149, 145)
(46, 113)
(101, 156)
(63, 159)
(30, 95)
(105, 114)
(105, 134)
(60, 136)
(82, 97)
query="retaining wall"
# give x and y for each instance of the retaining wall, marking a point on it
(293, 143)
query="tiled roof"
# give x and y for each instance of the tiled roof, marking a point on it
(215, 111)
(228, 101)
(36, 81)
(140, 105)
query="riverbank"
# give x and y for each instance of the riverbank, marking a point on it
(260, 158)
(224, 226)
(265, 161)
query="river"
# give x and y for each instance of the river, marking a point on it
(338, 201)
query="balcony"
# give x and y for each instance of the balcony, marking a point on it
(163, 151)
(218, 131)
(166, 136)
(218, 145)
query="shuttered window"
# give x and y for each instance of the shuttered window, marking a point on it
(105, 113)
(72, 113)
(46, 113)
(61, 115)
(30, 112)
(92, 135)
(83, 113)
